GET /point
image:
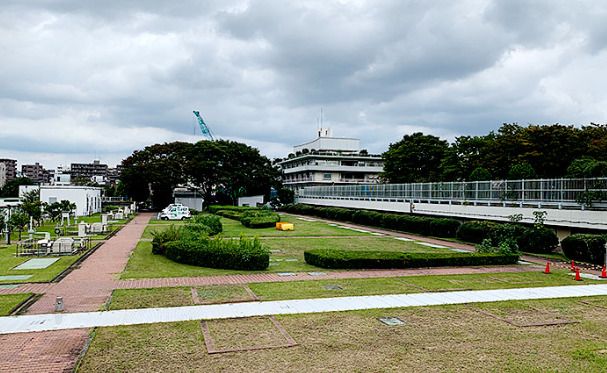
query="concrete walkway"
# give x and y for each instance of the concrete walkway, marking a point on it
(53, 322)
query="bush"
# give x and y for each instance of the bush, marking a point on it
(345, 259)
(211, 221)
(538, 240)
(215, 208)
(161, 238)
(248, 254)
(475, 231)
(259, 219)
(443, 227)
(585, 248)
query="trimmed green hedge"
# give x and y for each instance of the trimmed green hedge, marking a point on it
(248, 254)
(214, 208)
(475, 231)
(252, 218)
(585, 247)
(424, 225)
(346, 259)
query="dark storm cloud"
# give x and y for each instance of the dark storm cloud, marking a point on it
(80, 78)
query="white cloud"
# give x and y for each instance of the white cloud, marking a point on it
(80, 80)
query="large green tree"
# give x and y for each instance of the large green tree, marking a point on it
(221, 169)
(415, 158)
(11, 188)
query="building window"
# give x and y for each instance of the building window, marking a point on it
(326, 176)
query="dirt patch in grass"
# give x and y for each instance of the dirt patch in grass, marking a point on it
(222, 294)
(254, 333)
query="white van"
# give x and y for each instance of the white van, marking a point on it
(175, 212)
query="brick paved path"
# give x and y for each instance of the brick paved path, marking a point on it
(84, 289)
(302, 276)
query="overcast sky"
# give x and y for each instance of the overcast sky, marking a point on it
(98, 79)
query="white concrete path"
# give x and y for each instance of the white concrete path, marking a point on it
(47, 322)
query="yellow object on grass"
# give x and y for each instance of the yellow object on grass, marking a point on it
(284, 226)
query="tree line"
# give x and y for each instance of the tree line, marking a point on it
(220, 170)
(512, 152)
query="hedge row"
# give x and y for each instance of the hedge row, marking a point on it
(585, 247)
(201, 225)
(252, 218)
(248, 254)
(429, 226)
(345, 259)
(214, 208)
(529, 239)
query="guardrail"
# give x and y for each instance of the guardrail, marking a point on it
(559, 193)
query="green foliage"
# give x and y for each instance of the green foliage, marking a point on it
(213, 222)
(347, 259)
(109, 208)
(11, 188)
(247, 254)
(213, 209)
(55, 209)
(475, 231)
(521, 171)
(32, 205)
(220, 169)
(585, 247)
(480, 174)
(538, 240)
(415, 158)
(439, 227)
(161, 237)
(259, 219)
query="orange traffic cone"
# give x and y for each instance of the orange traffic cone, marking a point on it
(577, 274)
(603, 273)
(572, 266)
(547, 270)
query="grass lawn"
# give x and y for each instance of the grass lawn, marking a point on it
(441, 338)
(287, 256)
(233, 228)
(10, 301)
(181, 296)
(8, 261)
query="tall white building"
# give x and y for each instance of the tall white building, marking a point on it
(329, 160)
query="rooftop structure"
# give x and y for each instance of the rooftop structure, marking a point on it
(37, 173)
(329, 160)
(8, 171)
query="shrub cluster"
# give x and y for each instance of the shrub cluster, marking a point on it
(425, 225)
(248, 254)
(199, 226)
(211, 221)
(215, 208)
(585, 247)
(346, 259)
(252, 217)
(528, 239)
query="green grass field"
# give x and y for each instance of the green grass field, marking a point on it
(233, 228)
(287, 256)
(8, 261)
(181, 296)
(10, 301)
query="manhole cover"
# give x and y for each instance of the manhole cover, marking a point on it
(391, 321)
(333, 287)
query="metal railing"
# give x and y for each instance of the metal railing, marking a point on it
(538, 191)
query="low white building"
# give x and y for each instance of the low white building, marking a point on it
(252, 201)
(190, 198)
(87, 199)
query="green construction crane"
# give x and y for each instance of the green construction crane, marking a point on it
(204, 129)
